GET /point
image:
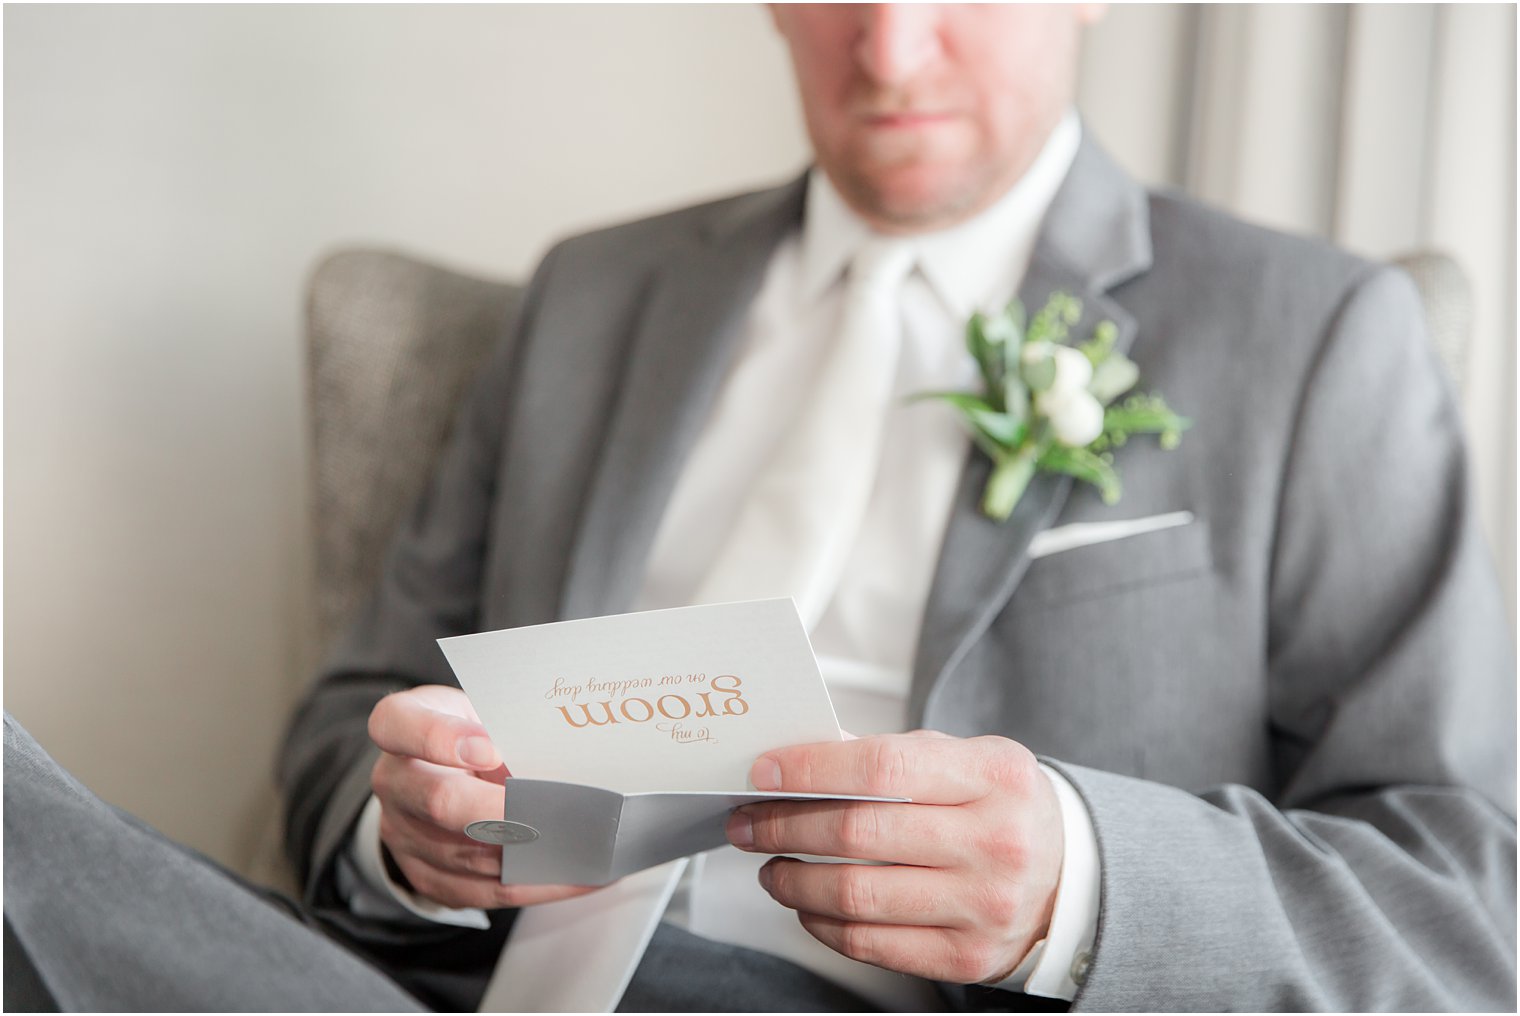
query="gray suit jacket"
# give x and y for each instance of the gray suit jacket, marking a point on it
(1291, 719)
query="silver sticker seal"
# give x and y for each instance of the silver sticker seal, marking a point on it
(500, 831)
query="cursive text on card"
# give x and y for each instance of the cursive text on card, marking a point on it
(668, 706)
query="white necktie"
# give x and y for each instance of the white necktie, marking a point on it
(578, 955)
(795, 531)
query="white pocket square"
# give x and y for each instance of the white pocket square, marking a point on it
(1085, 534)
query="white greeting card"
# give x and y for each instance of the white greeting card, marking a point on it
(630, 737)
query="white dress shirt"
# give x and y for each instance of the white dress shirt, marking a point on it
(866, 638)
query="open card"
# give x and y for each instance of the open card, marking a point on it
(630, 737)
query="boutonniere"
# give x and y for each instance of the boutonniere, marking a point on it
(1053, 407)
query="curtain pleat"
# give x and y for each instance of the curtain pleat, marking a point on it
(1388, 129)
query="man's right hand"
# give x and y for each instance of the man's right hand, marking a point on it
(437, 773)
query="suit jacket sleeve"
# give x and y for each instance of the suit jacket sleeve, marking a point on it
(1382, 875)
(430, 588)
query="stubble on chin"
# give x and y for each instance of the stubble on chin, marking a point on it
(910, 182)
(909, 196)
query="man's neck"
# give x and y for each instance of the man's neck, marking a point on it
(969, 264)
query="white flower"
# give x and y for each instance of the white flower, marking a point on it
(1074, 370)
(1076, 418)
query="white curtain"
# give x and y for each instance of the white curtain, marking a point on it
(1388, 129)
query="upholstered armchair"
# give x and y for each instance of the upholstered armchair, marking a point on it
(393, 343)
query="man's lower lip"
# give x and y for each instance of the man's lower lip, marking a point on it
(909, 120)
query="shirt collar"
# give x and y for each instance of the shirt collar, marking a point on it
(831, 234)
(975, 265)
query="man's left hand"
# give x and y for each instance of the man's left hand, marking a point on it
(972, 863)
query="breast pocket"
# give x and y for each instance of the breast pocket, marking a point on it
(1108, 652)
(1129, 563)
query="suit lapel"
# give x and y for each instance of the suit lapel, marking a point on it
(1095, 236)
(676, 360)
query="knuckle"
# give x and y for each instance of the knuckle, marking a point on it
(995, 903)
(852, 941)
(859, 942)
(799, 769)
(486, 863)
(439, 745)
(886, 768)
(773, 832)
(438, 802)
(856, 893)
(859, 828)
(507, 895)
(1004, 846)
(390, 833)
(1007, 763)
(423, 879)
(972, 960)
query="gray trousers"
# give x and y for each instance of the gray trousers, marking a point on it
(104, 914)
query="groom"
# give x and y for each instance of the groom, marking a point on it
(1240, 741)
(1272, 692)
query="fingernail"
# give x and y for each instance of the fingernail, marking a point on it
(765, 774)
(741, 832)
(477, 752)
(765, 875)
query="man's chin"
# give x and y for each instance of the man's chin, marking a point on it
(916, 200)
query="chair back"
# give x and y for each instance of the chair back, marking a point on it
(1447, 296)
(393, 343)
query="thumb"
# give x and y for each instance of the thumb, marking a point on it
(407, 724)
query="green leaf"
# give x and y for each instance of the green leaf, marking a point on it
(959, 400)
(1112, 377)
(1010, 477)
(1040, 373)
(1086, 466)
(988, 359)
(1002, 330)
(1015, 397)
(1101, 345)
(1144, 414)
(1054, 320)
(1003, 430)
(1013, 314)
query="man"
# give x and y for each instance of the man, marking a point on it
(1287, 721)
(1273, 712)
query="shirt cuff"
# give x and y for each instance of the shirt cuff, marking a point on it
(371, 892)
(1056, 966)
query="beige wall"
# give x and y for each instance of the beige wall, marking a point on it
(171, 173)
